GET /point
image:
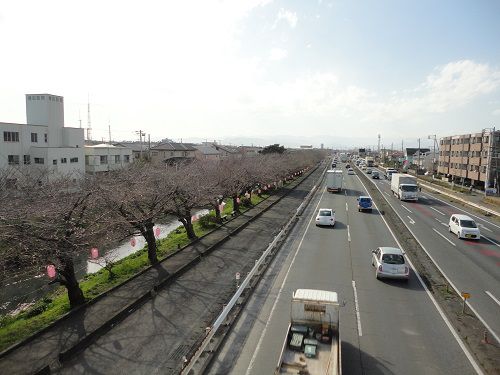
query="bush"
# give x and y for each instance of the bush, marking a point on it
(207, 221)
(246, 202)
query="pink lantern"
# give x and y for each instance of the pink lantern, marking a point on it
(94, 253)
(133, 242)
(51, 271)
(238, 200)
(221, 207)
(259, 191)
(194, 217)
(157, 231)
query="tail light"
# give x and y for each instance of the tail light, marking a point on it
(407, 270)
(331, 219)
(380, 268)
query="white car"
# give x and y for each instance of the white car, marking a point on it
(390, 262)
(368, 170)
(350, 171)
(326, 216)
(464, 227)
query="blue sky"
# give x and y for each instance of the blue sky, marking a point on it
(259, 71)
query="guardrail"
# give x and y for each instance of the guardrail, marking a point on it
(211, 331)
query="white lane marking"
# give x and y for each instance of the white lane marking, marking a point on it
(423, 196)
(482, 226)
(489, 239)
(442, 235)
(356, 306)
(440, 222)
(411, 220)
(442, 213)
(257, 348)
(431, 297)
(493, 297)
(406, 209)
(345, 192)
(467, 212)
(346, 207)
(385, 192)
(348, 233)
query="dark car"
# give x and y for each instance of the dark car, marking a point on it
(334, 165)
(376, 175)
(347, 166)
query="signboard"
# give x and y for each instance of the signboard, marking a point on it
(465, 295)
(491, 191)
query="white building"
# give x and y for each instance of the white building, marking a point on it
(106, 157)
(44, 141)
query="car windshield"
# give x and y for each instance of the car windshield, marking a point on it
(412, 188)
(325, 213)
(467, 224)
(393, 259)
(375, 172)
(365, 200)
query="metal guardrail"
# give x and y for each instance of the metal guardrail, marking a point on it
(211, 331)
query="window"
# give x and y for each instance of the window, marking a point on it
(46, 137)
(27, 159)
(73, 160)
(117, 159)
(34, 137)
(171, 153)
(54, 162)
(43, 97)
(126, 158)
(13, 159)
(64, 160)
(103, 159)
(11, 136)
(39, 161)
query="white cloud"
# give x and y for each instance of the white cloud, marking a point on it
(278, 54)
(496, 112)
(288, 16)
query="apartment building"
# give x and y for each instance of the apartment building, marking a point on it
(107, 157)
(44, 141)
(171, 152)
(471, 158)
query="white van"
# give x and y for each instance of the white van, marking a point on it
(464, 227)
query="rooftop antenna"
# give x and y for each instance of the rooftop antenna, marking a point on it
(89, 125)
(80, 118)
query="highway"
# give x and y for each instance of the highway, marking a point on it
(471, 266)
(387, 327)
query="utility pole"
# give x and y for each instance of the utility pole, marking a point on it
(149, 146)
(109, 145)
(89, 126)
(434, 166)
(418, 165)
(141, 133)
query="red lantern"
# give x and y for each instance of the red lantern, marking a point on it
(51, 271)
(133, 242)
(94, 253)
(157, 231)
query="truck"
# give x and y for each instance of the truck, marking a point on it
(370, 162)
(343, 157)
(312, 343)
(334, 180)
(404, 186)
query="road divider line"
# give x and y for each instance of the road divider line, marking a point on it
(489, 239)
(493, 297)
(348, 234)
(346, 207)
(356, 306)
(406, 209)
(442, 235)
(411, 220)
(442, 213)
(429, 294)
(440, 222)
(385, 192)
(482, 226)
(257, 348)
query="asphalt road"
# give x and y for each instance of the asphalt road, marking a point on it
(472, 266)
(397, 329)
(155, 337)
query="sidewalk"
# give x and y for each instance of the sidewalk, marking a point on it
(45, 349)
(473, 200)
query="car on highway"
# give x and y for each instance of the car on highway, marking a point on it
(350, 171)
(347, 166)
(334, 165)
(369, 171)
(375, 175)
(326, 216)
(390, 263)
(464, 227)
(364, 203)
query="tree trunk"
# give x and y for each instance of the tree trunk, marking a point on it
(67, 271)
(188, 225)
(149, 236)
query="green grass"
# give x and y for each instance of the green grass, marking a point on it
(56, 303)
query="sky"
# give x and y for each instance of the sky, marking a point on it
(258, 71)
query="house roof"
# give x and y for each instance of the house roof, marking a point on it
(207, 149)
(410, 151)
(171, 146)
